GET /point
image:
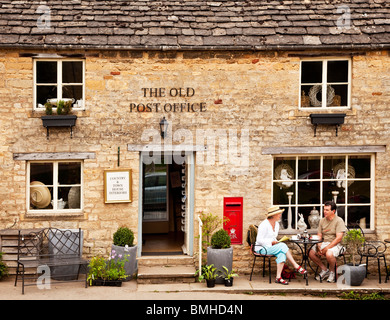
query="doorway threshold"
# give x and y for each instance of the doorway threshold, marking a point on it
(162, 253)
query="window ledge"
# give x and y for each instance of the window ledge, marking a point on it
(55, 215)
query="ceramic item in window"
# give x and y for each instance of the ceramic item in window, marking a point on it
(302, 226)
(314, 218)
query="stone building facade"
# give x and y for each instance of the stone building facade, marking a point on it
(235, 82)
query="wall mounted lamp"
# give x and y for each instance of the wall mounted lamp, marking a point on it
(163, 127)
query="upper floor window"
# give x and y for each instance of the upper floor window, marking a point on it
(325, 83)
(58, 80)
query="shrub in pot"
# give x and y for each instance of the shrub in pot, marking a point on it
(209, 273)
(123, 245)
(220, 253)
(228, 276)
(354, 273)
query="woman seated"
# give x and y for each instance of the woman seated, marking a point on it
(267, 244)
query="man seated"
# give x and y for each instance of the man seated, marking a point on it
(331, 230)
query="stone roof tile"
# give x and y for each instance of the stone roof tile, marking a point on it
(181, 24)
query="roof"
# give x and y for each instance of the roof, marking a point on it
(195, 24)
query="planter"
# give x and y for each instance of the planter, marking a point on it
(210, 283)
(354, 275)
(335, 119)
(59, 121)
(108, 283)
(229, 282)
(131, 265)
(219, 258)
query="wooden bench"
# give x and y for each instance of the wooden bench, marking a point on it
(56, 252)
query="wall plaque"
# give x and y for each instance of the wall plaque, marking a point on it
(117, 185)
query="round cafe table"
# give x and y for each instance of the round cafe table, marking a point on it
(305, 244)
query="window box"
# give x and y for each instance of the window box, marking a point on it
(328, 119)
(59, 121)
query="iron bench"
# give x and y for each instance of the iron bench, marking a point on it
(55, 253)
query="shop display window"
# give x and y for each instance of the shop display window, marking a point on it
(55, 186)
(304, 183)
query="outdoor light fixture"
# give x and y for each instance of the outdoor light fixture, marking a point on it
(163, 127)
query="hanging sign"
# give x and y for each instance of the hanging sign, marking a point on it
(117, 186)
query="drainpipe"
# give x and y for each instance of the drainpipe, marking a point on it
(200, 243)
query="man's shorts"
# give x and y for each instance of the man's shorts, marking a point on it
(336, 250)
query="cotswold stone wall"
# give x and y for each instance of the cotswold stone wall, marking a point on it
(209, 96)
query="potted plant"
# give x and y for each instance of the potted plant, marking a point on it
(220, 253)
(109, 272)
(354, 273)
(123, 244)
(228, 276)
(209, 273)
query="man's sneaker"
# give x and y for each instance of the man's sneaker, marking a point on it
(331, 277)
(323, 275)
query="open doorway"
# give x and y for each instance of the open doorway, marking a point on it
(163, 208)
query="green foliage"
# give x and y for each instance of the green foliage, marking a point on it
(208, 272)
(60, 106)
(48, 108)
(67, 107)
(228, 274)
(123, 236)
(111, 269)
(3, 267)
(357, 296)
(353, 239)
(220, 239)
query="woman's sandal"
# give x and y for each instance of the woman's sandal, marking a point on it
(281, 281)
(300, 270)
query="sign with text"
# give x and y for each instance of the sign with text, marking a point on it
(117, 185)
(182, 105)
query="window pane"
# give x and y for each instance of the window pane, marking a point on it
(45, 92)
(284, 169)
(46, 72)
(69, 173)
(280, 193)
(74, 198)
(337, 95)
(305, 212)
(359, 192)
(284, 218)
(337, 71)
(311, 72)
(309, 168)
(42, 172)
(40, 196)
(309, 192)
(361, 165)
(311, 96)
(359, 215)
(329, 164)
(75, 92)
(72, 72)
(330, 190)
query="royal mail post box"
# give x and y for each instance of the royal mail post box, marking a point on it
(232, 210)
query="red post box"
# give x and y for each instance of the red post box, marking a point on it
(232, 210)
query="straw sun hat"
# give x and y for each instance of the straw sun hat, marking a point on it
(273, 210)
(39, 194)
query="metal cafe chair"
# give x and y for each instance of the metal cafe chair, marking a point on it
(375, 250)
(251, 239)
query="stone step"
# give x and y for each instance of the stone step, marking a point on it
(177, 260)
(165, 269)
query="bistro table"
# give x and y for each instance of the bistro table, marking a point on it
(305, 244)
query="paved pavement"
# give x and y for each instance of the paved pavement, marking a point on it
(243, 289)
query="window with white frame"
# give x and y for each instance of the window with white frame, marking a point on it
(56, 80)
(325, 83)
(54, 186)
(304, 183)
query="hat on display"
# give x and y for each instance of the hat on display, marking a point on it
(273, 210)
(39, 195)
